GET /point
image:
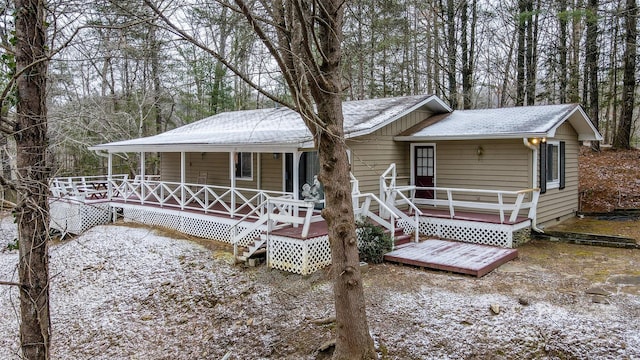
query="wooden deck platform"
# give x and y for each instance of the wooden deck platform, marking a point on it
(458, 257)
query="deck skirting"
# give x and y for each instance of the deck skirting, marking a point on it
(299, 256)
(206, 226)
(475, 232)
(69, 215)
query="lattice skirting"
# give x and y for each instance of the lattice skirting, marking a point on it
(200, 225)
(471, 231)
(75, 217)
(299, 256)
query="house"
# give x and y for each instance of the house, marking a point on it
(418, 167)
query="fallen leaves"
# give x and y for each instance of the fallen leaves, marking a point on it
(609, 179)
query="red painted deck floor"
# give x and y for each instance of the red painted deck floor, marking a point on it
(458, 257)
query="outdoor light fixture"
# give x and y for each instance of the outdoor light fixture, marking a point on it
(479, 150)
(276, 156)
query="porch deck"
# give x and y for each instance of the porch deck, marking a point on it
(458, 257)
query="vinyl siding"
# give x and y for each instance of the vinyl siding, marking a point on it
(216, 168)
(372, 154)
(271, 172)
(503, 165)
(557, 203)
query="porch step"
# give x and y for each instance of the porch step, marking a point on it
(400, 237)
(258, 247)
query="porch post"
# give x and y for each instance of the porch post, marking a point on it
(259, 172)
(232, 172)
(183, 177)
(109, 175)
(296, 178)
(142, 180)
(296, 174)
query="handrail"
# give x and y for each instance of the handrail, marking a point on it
(499, 205)
(364, 210)
(272, 204)
(416, 213)
(184, 196)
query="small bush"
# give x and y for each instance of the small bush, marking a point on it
(373, 242)
(13, 245)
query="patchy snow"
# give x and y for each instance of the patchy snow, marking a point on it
(128, 293)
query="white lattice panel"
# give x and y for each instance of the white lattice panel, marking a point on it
(76, 217)
(299, 256)
(208, 229)
(211, 227)
(468, 231)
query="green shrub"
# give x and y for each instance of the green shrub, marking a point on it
(373, 242)
(13, 245)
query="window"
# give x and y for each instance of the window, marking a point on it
(244, 165)
(552, 165)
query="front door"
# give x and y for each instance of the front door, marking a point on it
(424, 166)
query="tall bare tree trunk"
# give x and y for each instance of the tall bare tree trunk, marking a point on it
(32, 210)
(352, 331)
(562, 50)
(591, 64)
(451, 54)
(622, 139)
(520, 52)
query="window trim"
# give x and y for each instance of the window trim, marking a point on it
(553, 183)
(544, 166)
(238, 166)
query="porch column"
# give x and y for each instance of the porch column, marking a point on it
(142, 192)
(259, 172)
(109, 175)
(296, 178)
(232, 172)
(183, 177)
(296, 174)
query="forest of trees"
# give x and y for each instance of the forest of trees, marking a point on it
(76, 73)
(125, 75)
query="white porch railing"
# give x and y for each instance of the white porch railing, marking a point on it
(184, 196)
(362, 209)
(505, 202)
(280, 212)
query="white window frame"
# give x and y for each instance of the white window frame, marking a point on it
(553, 183)
(238, 164)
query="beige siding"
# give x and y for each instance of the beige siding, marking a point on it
(272, 172)
(215, 167)
(372, 154)
(503, 165)
(556, 203)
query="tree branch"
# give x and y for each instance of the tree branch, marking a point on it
(177, 31)
(11, 283)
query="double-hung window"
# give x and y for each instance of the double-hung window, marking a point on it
(244, 166)
(552, 165)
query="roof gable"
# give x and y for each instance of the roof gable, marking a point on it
(502, 123)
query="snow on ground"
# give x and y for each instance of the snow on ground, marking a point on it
(127, 293)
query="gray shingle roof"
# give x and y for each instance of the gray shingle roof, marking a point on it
(276, 126)
(513, 122)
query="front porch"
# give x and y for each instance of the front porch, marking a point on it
(291, 230)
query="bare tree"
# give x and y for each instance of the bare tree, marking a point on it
(31, 212)
(305, 40)
(622, 139)
(591, 67)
